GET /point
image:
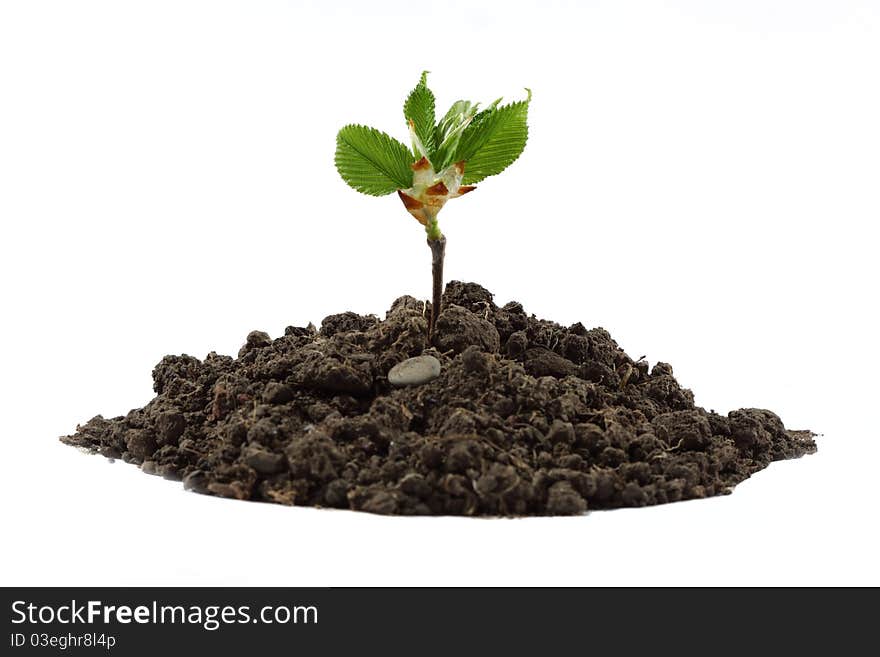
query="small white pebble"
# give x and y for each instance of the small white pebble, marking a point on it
(414, 371)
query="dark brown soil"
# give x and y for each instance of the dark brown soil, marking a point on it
(527, 418)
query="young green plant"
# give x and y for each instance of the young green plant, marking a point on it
(448, 157)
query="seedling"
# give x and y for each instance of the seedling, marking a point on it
(447, 158)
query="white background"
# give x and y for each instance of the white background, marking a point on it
(701, 179)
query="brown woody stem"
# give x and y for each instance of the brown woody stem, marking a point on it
(438, 252)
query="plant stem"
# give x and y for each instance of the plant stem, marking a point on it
(438, 252)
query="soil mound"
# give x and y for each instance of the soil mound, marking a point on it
(527, 417)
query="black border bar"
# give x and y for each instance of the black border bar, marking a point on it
(457, 621)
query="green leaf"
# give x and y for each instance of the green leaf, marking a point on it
(493, 141)
(371, 161)
(449, 131)
(419, 108)
(484, 114)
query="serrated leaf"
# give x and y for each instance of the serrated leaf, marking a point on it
(493, 141)
(419, 108)
(371, 161)
(484, 114)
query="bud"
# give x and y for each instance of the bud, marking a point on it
(430, 190)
